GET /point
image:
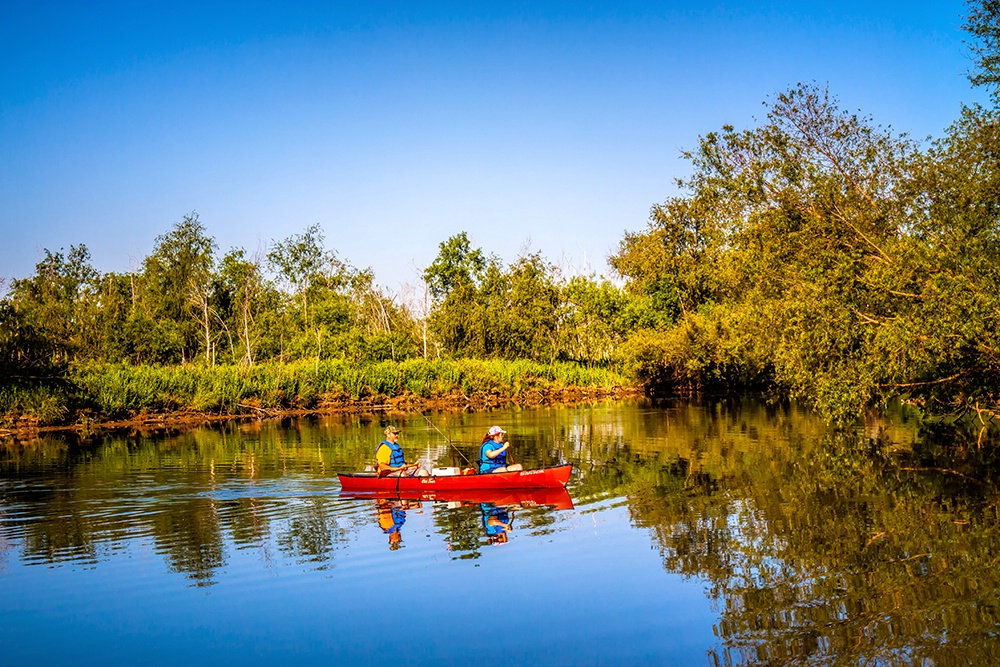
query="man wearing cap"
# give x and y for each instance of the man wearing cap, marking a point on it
(389, 461)
(493, 453)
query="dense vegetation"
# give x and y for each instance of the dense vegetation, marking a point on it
(298, 328)
(817, 256)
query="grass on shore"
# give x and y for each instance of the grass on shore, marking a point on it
(114, 391)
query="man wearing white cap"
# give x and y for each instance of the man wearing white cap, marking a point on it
(493, 453)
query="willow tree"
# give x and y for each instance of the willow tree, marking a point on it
(949, 282)
(983, 25)
(776, 250)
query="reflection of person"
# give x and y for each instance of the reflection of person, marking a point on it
(493, 452)
(389, 460)
(496, 521)
(391, 517)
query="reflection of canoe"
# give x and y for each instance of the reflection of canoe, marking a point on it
(555, 477)
(556, 498)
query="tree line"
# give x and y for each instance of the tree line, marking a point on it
(816, 256)
(185, 304)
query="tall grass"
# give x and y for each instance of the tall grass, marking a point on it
(116, 390)
(34, 402)
(111, 391)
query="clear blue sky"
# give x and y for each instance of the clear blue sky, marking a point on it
(552, 126)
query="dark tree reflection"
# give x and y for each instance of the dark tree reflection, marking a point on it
(849, 550)
(189, 536)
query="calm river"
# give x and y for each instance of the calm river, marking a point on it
(692, 534)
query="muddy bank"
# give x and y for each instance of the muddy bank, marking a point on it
(26, 429)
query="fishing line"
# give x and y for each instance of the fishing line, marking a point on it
(446, 438)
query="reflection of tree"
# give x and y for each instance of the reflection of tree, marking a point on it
(460, 527)
(816, 547)
(248, 522)
(189, 536)
(309, 536)
(142, 486)
(848, 552)
(61, 536)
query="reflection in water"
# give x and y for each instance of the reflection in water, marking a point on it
(870, 547)
(497, 521)
(838, 547)
(391, 517)
(454, 516)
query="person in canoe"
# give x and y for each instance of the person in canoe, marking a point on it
(493, 453)
(389, 460)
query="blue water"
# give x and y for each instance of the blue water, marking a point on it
(704, 534)
(585, 588)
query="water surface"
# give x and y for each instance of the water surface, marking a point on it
(719, 533)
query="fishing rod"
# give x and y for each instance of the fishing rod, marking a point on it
(446, 438)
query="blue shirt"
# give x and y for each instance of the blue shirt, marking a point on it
(486, 464)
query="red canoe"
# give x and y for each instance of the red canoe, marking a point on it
(555, 477)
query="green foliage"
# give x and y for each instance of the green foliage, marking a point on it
(596, 318)
(673, 264)
(816, 254)
(174, 290)
(458, 265)
(703, 350)
(43, 315)
(831, 258)
(239, 294)
(983, 23)
(522, 311)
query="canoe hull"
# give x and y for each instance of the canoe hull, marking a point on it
(555, 477)
(555, 498)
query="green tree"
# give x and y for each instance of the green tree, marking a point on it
(313, 276)
(458, 318)
(239, 292)
(983, 24)
(942, 345)
(383, 329)
(673, 265)
(524, 311)
(300, 260)
(176, 290)
(778, 254)
(458, 265)
(114, 336)
(47, 315)
(598, 317)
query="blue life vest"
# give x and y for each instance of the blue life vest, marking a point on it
(396, 458)
(486, 464)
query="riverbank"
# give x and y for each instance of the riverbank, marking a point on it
(107, 397)
(27, 428)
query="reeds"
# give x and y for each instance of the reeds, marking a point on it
(119, 390)
(34, 402)
(113, 391)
